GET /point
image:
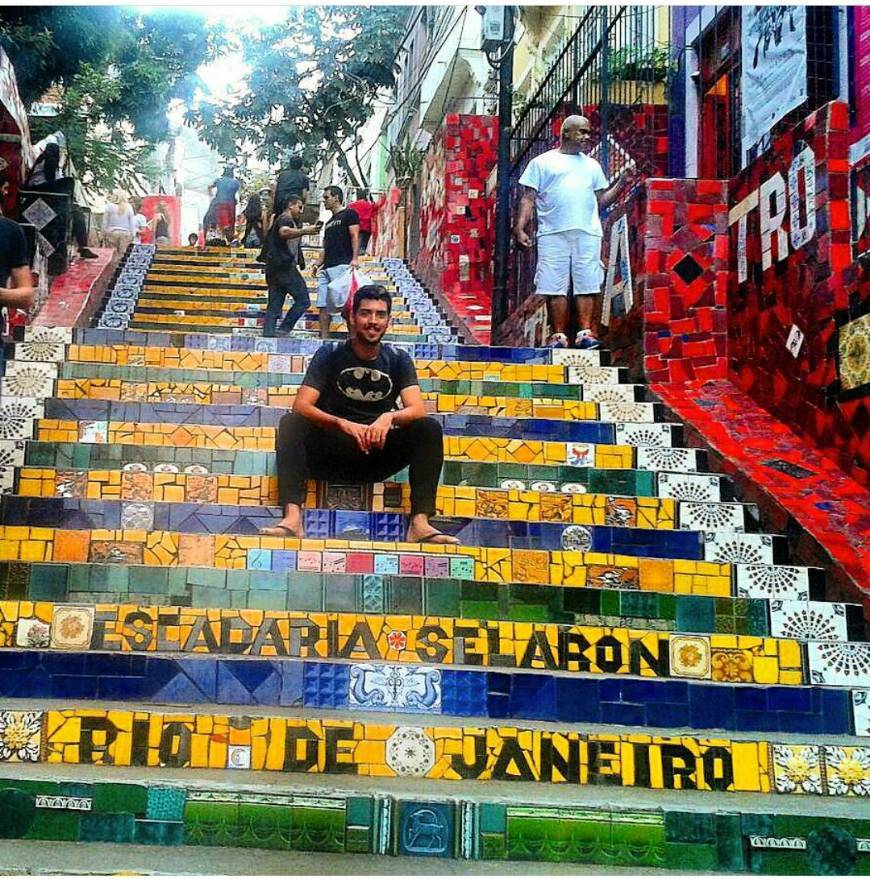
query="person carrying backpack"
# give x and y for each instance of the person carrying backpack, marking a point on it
(283, 256)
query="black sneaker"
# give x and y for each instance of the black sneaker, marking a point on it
(85, 253)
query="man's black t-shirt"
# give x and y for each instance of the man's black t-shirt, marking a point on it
(289, 182)
(13, 249)
(359, 390)
(281, 254)
(337, 249)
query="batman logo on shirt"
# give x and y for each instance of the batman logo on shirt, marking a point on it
(364, 385)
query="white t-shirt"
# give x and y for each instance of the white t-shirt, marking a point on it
(566, 186)
(141, 222)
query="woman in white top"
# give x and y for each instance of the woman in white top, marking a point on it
(119, 223)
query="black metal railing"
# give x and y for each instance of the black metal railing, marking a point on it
(615, 69)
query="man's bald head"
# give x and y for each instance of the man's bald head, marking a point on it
(574, 123)
(575, 134)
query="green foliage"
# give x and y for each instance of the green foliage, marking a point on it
(116, 72)
(312, 84)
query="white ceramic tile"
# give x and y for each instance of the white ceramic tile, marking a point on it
(574, 357)
(592, 373)
(808, 620)
(635, 411)
(711, 517)
(772, 581)
(690, 486)
(7, 480)
(604, 393)
(31, 380)
(736, 548)
(672, 459)
(12, 453)
(861, 712)
(655, 435)
(839, 664)
(410, 752)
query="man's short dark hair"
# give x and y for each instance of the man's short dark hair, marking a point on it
(295, 163)
(292, 199)
(194, 236)
(335, 191)
(372, 291)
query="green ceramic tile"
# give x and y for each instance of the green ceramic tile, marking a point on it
(442, 597)
(305, 592)
(264, 599)
(403, 595)
(53, 824)
(107, 827)
(132, 798)
(493, 847)
(696, 613)
(687, 856)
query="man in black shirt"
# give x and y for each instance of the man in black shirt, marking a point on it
(290, 181)
(14, 264)
(283, 255)
(345, 425)
(340, 249)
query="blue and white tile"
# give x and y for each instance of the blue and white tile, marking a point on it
(413, 688)
(808, 620)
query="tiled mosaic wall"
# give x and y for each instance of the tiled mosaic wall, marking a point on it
(792, 281)
(456, 217)
(388, 225)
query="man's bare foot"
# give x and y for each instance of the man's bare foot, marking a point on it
(289, 526)
(421, 531)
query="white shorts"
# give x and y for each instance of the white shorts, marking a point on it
(571, 255)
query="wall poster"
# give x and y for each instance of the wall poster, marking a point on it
(774, 68)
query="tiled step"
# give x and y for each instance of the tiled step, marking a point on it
(133, 735)
(491, 565)
(466, 502)
(437, 403)
(521, 391)
(415, 595)
(612, 473)
(165, 679)
(350, 826)
(45, 338)
(596, 651)
(653, 539)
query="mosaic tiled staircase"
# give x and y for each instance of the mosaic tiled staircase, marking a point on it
(616, 665)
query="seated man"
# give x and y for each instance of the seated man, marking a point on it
(345, 426)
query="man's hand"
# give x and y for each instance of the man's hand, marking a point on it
(354, 263)
(629, 175)
(360, 432)
(522, 238)
(378, 430)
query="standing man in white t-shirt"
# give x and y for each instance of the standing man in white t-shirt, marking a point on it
(567, 188)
